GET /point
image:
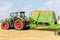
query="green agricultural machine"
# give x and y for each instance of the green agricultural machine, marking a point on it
(39, 20)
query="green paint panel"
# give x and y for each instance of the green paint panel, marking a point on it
(47, 17)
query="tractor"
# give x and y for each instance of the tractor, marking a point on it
(40, 19)
(17, 20)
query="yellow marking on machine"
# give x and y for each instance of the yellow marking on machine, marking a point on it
(38, 11)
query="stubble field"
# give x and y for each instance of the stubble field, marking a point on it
(27, 35)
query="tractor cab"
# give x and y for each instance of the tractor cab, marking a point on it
(18, 14)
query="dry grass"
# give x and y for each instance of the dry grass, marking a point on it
(27, 35)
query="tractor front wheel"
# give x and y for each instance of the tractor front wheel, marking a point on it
(18, 24)
(5, 25)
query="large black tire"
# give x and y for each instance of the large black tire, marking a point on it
(18, 24)
(5, 25)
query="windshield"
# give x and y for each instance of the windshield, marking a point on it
(13, 14)
(18, 14)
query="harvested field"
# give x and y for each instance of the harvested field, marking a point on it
(27, 35)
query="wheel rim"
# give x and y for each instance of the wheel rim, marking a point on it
(18, 24)
(5, 26)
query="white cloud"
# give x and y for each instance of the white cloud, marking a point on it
(53, 5)
(5, 8)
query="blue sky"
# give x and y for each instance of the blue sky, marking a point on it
(8, 6)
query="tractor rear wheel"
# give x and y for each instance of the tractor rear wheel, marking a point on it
(5, 25)
(18, 24)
